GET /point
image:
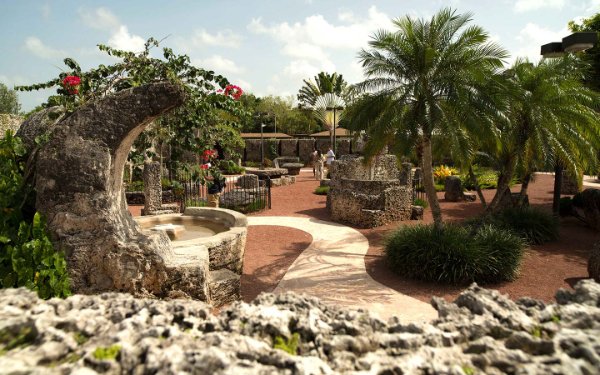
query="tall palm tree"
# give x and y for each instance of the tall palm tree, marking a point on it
(427, 77)
(552, 117)
(323, 83)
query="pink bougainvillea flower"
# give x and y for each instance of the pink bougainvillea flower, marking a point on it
(234, 91)
(204, 166)
(71, 84)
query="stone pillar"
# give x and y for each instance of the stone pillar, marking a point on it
(152, 188)
(406, 174)
(213, 200)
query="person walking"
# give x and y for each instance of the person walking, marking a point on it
(330, 157)
(314, 157)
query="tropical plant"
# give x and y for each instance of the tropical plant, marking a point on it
(552, 118)
(429, 77)
(323, 83)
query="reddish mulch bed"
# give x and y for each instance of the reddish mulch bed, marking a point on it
(270, 251)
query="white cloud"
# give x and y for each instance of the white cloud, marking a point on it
(528, 5)
(219, 64)
(225, 38)
(123, 40)
(317, 31)
(304, 68)
(120, 37)
(593, 6)
(245, 85)
(38, 48)
(532, 37)
(100, 18)
(46, 11)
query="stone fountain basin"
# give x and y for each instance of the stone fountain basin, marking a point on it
(212, 239)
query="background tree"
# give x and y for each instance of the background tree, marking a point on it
(591, 56)
(427, 77)
(9, 101)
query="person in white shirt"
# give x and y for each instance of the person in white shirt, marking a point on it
(330, 157)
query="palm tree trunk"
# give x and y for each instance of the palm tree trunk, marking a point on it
(429, 184)
(477, 187)
(503, 185)
(525, 186)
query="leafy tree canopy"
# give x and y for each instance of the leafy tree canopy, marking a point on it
(592, 56)
(9, 101)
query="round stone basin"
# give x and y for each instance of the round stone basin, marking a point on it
(183, 228)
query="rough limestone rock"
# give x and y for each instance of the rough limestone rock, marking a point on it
(453, 191)
(571, 184)
(152, 188)
(247, 181)
(369, 195)
(79, 175)
(343, 146)
(594, 263)
(39, 124)
(289, 147)
(591, 207)
(305, 148)
(481, 332)
(9, 122)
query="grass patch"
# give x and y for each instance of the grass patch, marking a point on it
(455, 254)
(322, 190)
(421, 202)
(107, 353)
(80, 338)
(9, 339)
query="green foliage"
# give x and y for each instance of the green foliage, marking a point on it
(9, 101)
(486, 177)
(454, 254)
(107, 353)
(27, 257)
(591, 56)
(289, 346)
(80, 338)
(229, 167)
(323, 83)
(441, 172)
(535, 226)
(207, 117)
(134, 186)
(322, 190)
(421, 202)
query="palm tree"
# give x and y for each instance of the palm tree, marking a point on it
(427, 77)
(552, 117)
(323, 83)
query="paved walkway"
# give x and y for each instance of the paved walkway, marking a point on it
(333, 269)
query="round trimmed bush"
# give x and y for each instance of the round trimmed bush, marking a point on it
(455, 254)
(532, 224)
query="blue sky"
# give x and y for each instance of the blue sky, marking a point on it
(267, 47)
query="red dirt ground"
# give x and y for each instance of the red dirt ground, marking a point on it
(545, 268)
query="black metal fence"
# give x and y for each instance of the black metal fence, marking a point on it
(418, 188)
(241, 193)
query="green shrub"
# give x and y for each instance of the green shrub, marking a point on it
(322, 190)
(532, 224)
(229, 167)
(578, 200)
(289, 346)
(455, 254)
(252, 164)
(135, 186)
(486, 177)
(27, 256)
(421, 202)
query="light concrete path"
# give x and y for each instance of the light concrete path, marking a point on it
(333, 269)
